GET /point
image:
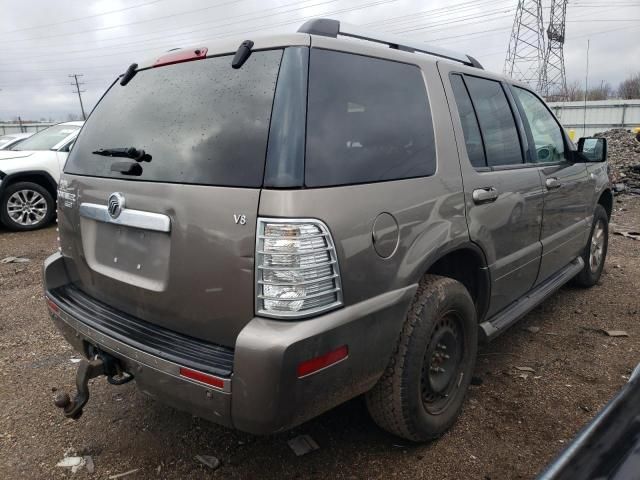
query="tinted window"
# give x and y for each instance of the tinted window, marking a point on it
(202, 122)
(499, 132)
(368, 120)
(472, 137)
(48, 138)
(546, 132)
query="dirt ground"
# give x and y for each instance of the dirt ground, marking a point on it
(512, 425)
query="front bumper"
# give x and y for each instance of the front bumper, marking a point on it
(263, 393)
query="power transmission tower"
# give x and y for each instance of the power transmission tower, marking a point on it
(525, 57)
(78, 91)
(555, 81)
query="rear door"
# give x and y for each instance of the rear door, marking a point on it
(568, 189)
(172, 240)
(503, 193)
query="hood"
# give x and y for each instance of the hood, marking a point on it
(8, 154)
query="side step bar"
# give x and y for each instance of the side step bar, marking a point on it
(493, 327)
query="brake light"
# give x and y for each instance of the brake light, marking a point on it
(296, 268)
(315, 364)
(52, 305)
(181, 56)
(202, 377)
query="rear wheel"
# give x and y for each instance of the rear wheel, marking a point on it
(595, 252)
(422, 390)
(26, 206)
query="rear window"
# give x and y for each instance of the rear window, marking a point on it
(202, 122)
(47, 139)
(368, 120)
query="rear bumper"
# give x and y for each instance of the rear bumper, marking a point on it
(263, 394)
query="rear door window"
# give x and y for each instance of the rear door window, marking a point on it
(202, 122)
(501, 139)
(368, 120)
(470, 127)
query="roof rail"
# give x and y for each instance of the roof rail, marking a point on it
(328, 27)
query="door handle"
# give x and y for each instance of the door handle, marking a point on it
(484, 195)
(552, 183)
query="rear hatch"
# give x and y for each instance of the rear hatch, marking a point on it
(172, 242)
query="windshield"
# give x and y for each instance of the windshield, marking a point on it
(199, 122)
(47, 139)
(5, 140)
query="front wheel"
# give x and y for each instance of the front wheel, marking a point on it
(26, 206)
(421, 392)
(595, 253)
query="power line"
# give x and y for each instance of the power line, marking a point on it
(78, 91)
(138, 22)
(71, 20)
(258, 15)
(230, 33)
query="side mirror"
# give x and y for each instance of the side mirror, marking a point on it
(593, 149)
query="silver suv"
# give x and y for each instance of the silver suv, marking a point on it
(257, 234)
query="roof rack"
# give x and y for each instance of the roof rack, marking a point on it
(328, 27)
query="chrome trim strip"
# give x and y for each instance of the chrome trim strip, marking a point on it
(122, 349)
(304, 297)
(315, 265)
(304, 282)
(128, 217)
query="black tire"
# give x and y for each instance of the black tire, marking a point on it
(403, 401)
(47, 202)
(589, 275)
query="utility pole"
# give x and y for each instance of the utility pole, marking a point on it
(78, 91)
(525, 57)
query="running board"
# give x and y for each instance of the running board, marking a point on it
(514, 312)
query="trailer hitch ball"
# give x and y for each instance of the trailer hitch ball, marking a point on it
(62, 400)
(102, 364)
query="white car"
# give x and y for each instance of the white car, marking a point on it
(29, 175)
(10, 140)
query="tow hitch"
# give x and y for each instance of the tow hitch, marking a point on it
(101, 364)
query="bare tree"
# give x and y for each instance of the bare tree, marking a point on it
(600, 92)
(630, 87)
(574, 92)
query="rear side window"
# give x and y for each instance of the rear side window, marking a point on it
(470, 128)
(202, 122)
(501, 140)
(368, 120)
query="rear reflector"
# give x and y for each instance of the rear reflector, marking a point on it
(181, 56)
(52, 306)
(202, 377)
(315, 364)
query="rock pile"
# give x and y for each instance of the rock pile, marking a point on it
(624, 159)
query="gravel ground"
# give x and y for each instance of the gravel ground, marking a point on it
(512, 425)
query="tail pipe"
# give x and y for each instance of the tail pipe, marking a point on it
(101, 364)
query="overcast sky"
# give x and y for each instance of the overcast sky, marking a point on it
(44, 41)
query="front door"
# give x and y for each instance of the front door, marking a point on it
(503, 193)
(568, 191)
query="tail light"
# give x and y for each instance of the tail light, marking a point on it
(296, 268)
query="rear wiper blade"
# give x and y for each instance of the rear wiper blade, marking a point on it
(130, 152)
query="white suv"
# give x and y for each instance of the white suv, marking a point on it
(29, 174)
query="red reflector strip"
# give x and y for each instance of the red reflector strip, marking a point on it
(52, 305)
(181, 56)
(202, 377)
(311, 366)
